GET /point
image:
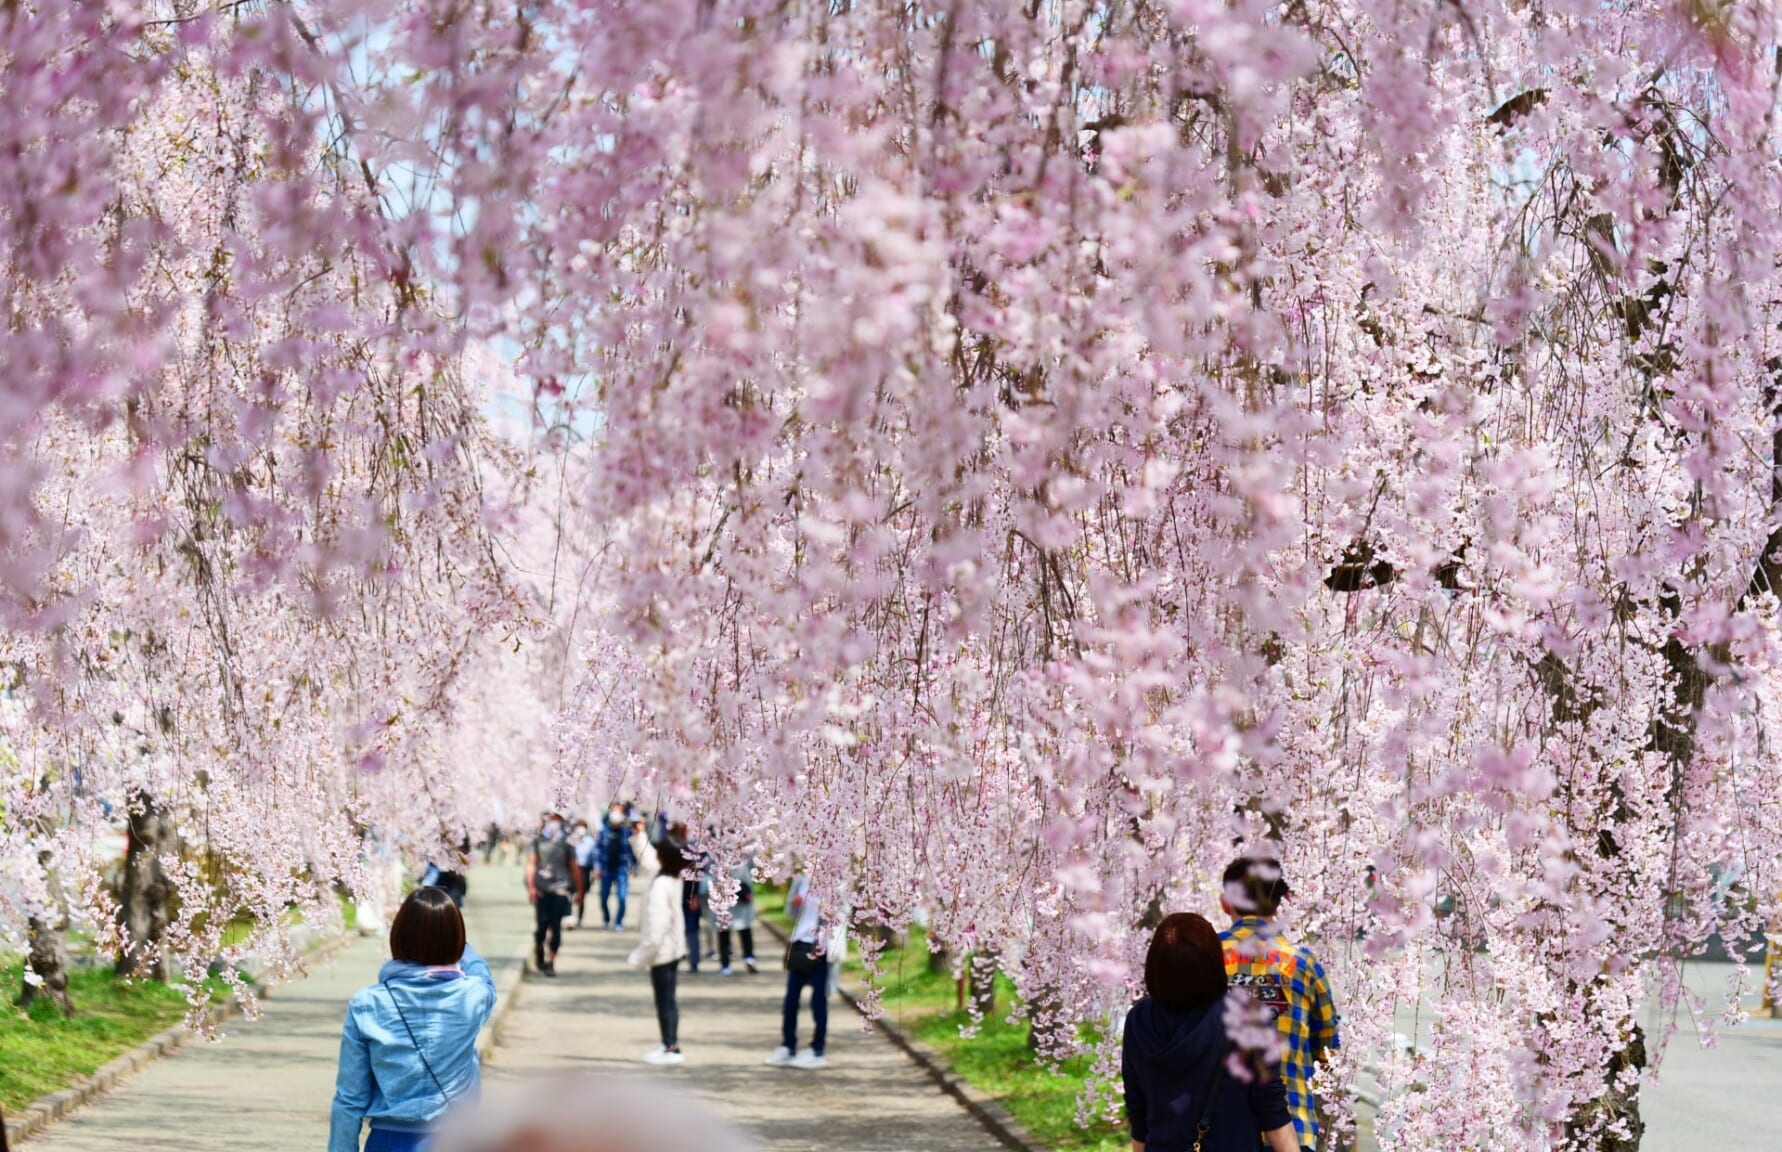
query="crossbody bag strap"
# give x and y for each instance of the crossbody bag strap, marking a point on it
(1214, 1083)
(412, 1039)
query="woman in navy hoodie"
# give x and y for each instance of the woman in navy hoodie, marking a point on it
(409, 1046)
(1180, 1096)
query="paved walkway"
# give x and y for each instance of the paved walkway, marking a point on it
(598, 1016)
(266, 1086)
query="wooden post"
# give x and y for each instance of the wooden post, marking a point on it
(1770, 1006)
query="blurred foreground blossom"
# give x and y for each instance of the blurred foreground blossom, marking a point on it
(592, 1114)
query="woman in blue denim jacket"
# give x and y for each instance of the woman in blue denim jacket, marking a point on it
(408, 1049)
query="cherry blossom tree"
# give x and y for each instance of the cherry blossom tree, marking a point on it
(1009, 455)
(256, 562)
(1050, 444)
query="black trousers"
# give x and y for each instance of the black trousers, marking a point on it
(748, 943)
(668, 1013)
(552, 908)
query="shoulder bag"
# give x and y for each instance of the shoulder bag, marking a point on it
(801, 956)
(1217, 1081)
(425, 1063)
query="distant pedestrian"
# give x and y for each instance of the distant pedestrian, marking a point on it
(1285, 978)
(582, 842)
(693, 905)
(662, 947)
(552, 878)
(448, 880)
(644, 852)
(408, 1048)
(742, 919)
(807, 966)
(614, 858)
(1173, 1052)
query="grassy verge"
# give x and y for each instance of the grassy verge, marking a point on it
(42, 1052)
(993, 1059)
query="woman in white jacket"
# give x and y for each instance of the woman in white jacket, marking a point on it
(663, 947)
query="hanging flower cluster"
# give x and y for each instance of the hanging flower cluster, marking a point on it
(1032, 450)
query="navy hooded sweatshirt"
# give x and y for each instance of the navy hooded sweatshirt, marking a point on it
(1166, 1062)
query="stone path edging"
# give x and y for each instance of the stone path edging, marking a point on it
(986, 1109)
(507, 990)
(46, 1110)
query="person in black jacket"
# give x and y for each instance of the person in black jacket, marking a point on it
(1180, 1093)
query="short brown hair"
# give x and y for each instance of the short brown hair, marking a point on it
(429, 929)
(1255, 885)
(1185, 966)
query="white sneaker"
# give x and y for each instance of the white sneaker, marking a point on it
(724, 971)
(809, 1059)
(661, 1055)
(781, 1057)
(749, 963)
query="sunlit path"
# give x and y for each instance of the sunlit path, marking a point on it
(597, 1017)
(266, 1086)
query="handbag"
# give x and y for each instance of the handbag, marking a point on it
(801, 957)
(406, 1027)
(1205, 1123)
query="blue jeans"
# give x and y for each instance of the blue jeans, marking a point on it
(389, 1140)
(609, 879)
(690, 920)
(817, 980)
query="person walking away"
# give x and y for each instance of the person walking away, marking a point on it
(1286, 979)
(679, 836)
(408, 1047)
(1173, 1053)
(807, 966)
(661, 948)
(448, 880)
(582, 842)
(644, 852)
(742, 919)
(692, 902)
(614, 858)
(551, 878)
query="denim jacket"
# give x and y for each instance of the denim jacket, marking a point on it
(382, 1078)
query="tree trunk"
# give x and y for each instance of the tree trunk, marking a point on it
(48, 961)
(885, 935)
(982, 976)
(1617, 1103)
(939, 962)
(147, 893)
(1046, 1030)
(48, 956)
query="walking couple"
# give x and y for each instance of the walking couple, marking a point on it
(1176, 1048)
(664, 944)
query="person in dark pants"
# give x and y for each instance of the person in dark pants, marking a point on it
(662, 947)
(1179, 1093)
(691, 892)
(742, 919)
(614, 858)
(807, 966)
(552, 878)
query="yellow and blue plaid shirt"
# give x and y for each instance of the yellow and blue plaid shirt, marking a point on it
(1288, 979)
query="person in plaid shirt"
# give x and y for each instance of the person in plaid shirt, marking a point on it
(1285, 978)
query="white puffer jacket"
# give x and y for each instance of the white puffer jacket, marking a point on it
(664, 936)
